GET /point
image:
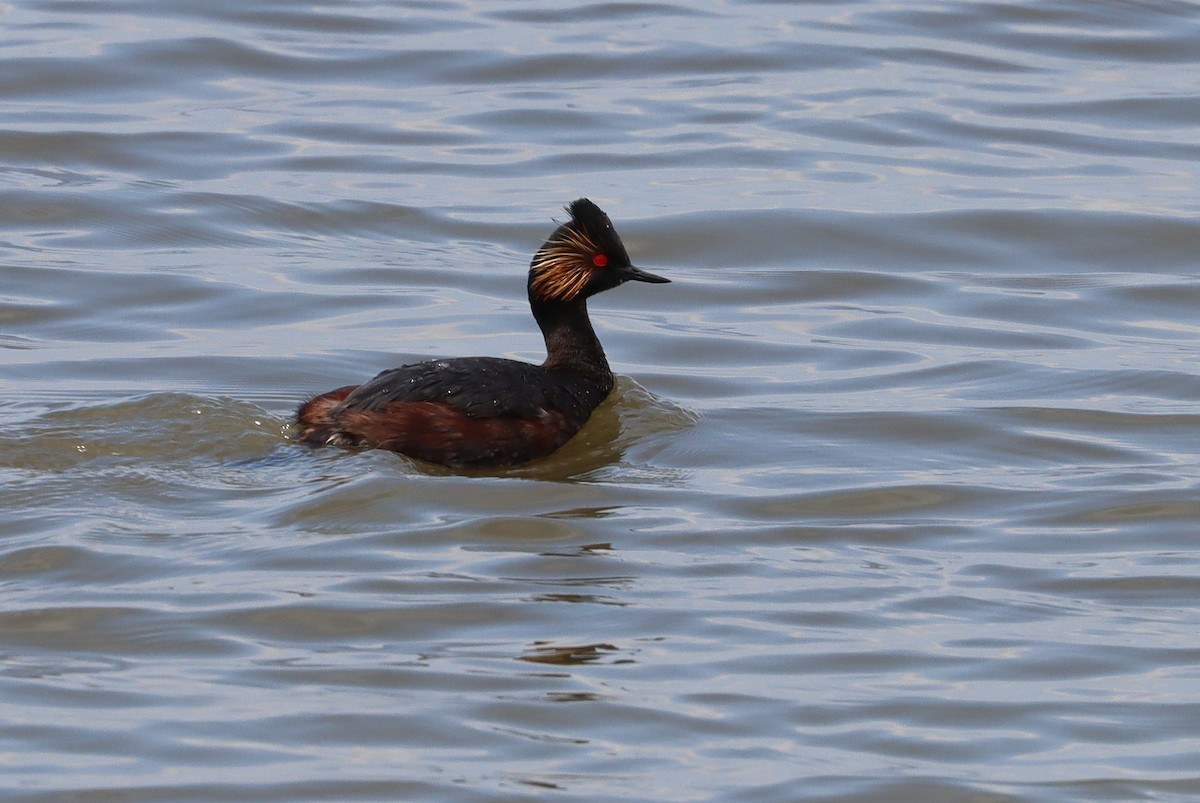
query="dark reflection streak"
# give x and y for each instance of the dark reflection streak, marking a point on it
(572, 655)
(578, 598)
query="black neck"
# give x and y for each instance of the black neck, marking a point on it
(571, 343)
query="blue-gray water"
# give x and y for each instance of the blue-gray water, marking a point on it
(897, 498)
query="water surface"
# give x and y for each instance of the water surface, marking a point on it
(896, 497)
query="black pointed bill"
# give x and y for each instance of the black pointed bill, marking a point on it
(639, 275)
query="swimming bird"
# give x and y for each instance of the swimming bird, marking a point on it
(491, 411)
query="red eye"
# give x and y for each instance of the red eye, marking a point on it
(599, 260)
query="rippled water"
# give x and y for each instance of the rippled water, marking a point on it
(897, 498)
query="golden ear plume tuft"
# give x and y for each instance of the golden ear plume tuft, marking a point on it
(563, 266)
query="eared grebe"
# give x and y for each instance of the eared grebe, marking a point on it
(488, 411)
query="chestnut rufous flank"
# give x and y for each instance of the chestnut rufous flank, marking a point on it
(489, 411)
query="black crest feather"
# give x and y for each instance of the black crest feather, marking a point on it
(592, 220)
